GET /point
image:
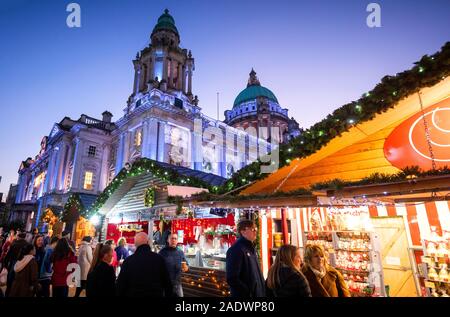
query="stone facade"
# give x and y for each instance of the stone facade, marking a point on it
(73, 159)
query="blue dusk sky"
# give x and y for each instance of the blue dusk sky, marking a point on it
(314, 55)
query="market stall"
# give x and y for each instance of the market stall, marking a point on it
(389, 173)
(205, 241)
(150, 192)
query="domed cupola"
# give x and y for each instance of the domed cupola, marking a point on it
(257, 107)
(253, 91)
(165, 32)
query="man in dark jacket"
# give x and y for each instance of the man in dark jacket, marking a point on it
(244, 275)
(174, 260)
(144, 274)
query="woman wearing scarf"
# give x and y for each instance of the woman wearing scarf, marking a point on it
(26, 274)
(324, 280)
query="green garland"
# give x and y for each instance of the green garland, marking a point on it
(143, 166)
(427, 72)
(149, 197)
(407, 173)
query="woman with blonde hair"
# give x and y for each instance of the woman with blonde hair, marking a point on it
(121, 250)
(324, 280)
(285, 278)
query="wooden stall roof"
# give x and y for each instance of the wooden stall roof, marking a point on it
(355, 154)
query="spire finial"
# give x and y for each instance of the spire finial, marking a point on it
(253, 80)
(166, 11)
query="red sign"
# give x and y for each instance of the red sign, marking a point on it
(115, 231)
(408, 144)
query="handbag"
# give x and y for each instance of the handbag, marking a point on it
(3, 277)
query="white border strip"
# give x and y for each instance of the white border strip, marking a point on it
(443, 214)
(382, 211)
(422, 219)
(264, 241)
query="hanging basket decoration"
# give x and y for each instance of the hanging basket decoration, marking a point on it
(149, 197)
(73, 209)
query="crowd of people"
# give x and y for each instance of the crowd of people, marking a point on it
(40, 268)
(289, 276)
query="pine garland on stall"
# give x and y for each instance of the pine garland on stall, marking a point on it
(149, 196)
(144, 165)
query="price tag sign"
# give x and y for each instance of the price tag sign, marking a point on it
(429, 284)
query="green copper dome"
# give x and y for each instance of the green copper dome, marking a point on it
(165, 22)
(253, 91)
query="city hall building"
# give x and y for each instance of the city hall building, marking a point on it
(162, 121)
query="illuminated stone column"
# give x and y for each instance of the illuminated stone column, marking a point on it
(126, 150)
(62, 161)
(119, 154)
(183, 79)
(137, 75)
(145, 138)
(196, 150)
(50, 170)
(179, 77)
(77, 164)
(29, 193)
(165, 66)
(152, 138)
(104, 167)
(161, 141)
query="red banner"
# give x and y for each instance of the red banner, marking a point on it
(127, 230)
